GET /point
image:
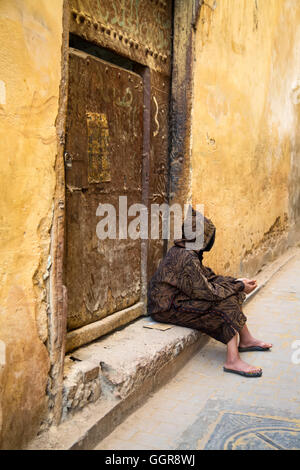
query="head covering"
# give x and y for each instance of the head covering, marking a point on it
(189, 235)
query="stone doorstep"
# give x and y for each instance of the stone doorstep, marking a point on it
(105, 381)
(112, 368)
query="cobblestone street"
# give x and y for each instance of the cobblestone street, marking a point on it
(205, 408)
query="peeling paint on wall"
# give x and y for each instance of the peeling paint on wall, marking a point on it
(245, 128)
(30, 63)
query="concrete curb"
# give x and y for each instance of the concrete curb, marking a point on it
(96, 421)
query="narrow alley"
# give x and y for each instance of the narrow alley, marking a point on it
(204, 408)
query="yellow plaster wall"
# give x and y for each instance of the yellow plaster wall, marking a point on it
(30, 61)
(244, 130)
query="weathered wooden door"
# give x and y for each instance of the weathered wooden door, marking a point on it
(104, 146)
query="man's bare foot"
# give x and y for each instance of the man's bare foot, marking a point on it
(254, 342)
(240, 365)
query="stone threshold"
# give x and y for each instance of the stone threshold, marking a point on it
(89, 333)
(105, 381)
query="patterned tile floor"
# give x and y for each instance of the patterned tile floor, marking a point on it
(204, 408)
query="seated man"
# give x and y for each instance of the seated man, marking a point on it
(186, 293)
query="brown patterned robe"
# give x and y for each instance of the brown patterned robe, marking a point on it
(186, 293)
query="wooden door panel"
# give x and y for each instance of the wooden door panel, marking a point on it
(103, 161)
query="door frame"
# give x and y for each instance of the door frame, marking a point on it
(85, 334)
(184, 23)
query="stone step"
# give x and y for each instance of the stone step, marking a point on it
(108, 379)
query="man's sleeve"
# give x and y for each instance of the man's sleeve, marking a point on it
(194, 284)
(216, 278)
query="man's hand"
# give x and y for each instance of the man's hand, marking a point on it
(250, 285)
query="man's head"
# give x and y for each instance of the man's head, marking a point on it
(196, 227)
